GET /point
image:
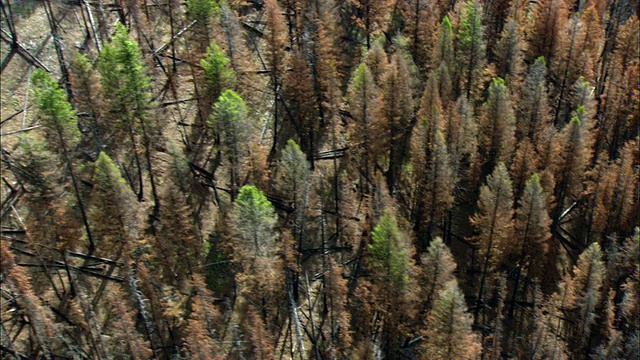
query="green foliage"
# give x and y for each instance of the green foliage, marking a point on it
(107, 175)
(579, 115)
(201, 10)
(81, 63)
(576, 121)
(444, 50)
(361, 77)
(229, 118)
(57, 113)
(217, 72)
(254, 220)
(470, 25)
(470, 48)
(389, 251)
(229, 108)
(534, 182)
(123, 76)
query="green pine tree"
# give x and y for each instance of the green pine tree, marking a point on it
(63, 135)
(252, 222)
(470, 49)
(229, 119)
(390, 251)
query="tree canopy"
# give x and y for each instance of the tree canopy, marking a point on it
(362, 179)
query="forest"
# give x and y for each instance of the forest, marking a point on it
(320, 179)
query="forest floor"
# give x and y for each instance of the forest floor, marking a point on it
(33, 32)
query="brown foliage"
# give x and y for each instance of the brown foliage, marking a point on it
(550, 16)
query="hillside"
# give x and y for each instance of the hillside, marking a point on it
(287, 179)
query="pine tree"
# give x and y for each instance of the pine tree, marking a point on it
(532, 232)
(612, 346)
(124, 338)
(609, 189)
(494, 18)
(443, 51)
(624, 201)
(18, 284)
(112, 212)
(177, 247)
(33, 165)
(494, 224)
(370, 16)
(497, 128)
(63, 135)
(261, 343)
(437, 270)
(436, 176)
(52, 217)
(87, 99)
(545, 341)
(510, 54)
(390, 257)
(431, 110)
(400, 45)
(568, 66)
(398, 111)
(583, 295)
(570, 162)
(470, 50)
(326, 62)
(449, 334)
(468, 129)
(199, 333)
(533, 109)
(123, 74)
(229, 119)
(377, 61)
(253, 221)
(367, 132)
(276, 38)
(238, 53)
(203, 12)
(218, 75)
(295, 185)
(549, 16)
(340, 318)
(298, 89)
(617, 95)
(419, 16)
(389, 251)
(629, 308)
(525, 163)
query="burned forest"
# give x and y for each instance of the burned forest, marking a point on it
(334, 179)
